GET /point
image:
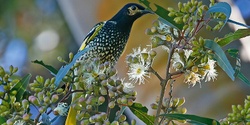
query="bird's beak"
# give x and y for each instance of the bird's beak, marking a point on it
(146, 11)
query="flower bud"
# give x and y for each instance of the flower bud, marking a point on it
(84, 122)
(171, 14)
(25, 104)
(152, 53)
(180, 5)
(40, 95)
(59, 90)
(130, 102)
(115, 123)
(54, 98)
(195, 68)
(40, 79)
(103, 91)
(153, 29)
(133, 122)
(46, 99)
(101, 100)
(178, 20)
(153, 106)
(111, 82)
(102, 76)
(111, 94)
(89, 107)
(33, 100)
(10, 121)
(71, 56)
(122, 118)
(2, 72)
(79, 116)
(15, 70)
(124, 100)
(41, 110)
(11, 68)
(26, 117)
(13, 92)
(111, 104)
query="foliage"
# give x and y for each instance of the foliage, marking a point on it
(100, 97)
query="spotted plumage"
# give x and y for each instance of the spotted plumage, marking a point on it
(108, 39)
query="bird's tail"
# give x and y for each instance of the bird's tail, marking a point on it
(71, 118)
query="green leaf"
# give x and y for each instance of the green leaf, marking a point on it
(234, 53)
(2, 120)
(240, 33)
(192, 119)
(21, 87)
(141, 112)
(238, 23)
(220, 57)
(221, 7)
(163, 15)
(48, 67)
(243, 78)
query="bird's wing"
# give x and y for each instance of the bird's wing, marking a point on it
(71, 119)
(94, 31)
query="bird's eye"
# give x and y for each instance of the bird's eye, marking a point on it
(132, 10)
(133, 7)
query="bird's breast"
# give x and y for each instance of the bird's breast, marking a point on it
(109, 44)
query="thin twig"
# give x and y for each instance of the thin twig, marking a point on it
(170, 95)
(176, 73)
(169, 101)
(155, 73)
(163, 87)
(171, 51)
(164, 83)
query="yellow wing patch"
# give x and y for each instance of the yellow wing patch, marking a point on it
(95, 30)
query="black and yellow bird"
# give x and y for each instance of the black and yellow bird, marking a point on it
(108, 39)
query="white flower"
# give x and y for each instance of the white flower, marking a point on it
(166, 28)
(138, 51)
(138, 72)
(91, 69)
(211, 73)
(61, 109)
(19, 122)
(187, 53)
(177, 62)
(192, 78)
(128, 87)
(165, 48)
(163, 26)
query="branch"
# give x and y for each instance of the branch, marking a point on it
(155, 73)
(164, 83)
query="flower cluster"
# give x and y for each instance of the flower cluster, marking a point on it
(15, 101)
(139, 63)
(190, 56)
(95, 84)
(193, 14)
(45, 93)
(195, 69)
(174, 106)
(162, 35)
(240, 114)
(12, 108)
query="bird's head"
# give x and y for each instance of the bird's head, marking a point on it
(129, 13)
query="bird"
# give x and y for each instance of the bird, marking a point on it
(107, 40)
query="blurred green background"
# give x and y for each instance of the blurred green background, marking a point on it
(45, 29)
